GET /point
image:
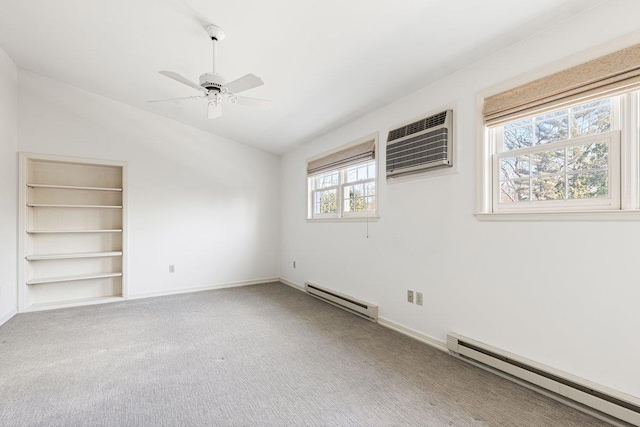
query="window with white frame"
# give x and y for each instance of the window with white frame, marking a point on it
(343, 184)
(566, 159)
(564, 143)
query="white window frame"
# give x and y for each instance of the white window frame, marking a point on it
(612, 139)
(312, 191)
(624, 172)
(340, 215)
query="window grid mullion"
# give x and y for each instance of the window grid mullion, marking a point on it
(530, 178)
(566, 176)
(497, 140)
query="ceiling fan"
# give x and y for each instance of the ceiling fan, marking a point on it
(215, 88)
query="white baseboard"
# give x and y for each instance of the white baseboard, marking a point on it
(4, 319)
(290, 283)
(427, 339)
(202, 288)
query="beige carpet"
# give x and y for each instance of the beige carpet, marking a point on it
(264, 355)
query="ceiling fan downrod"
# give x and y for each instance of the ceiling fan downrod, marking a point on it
(216, 35)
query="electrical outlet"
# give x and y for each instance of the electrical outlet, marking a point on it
(172, 268)
(419, 298)
(410, 296)
(294, 264)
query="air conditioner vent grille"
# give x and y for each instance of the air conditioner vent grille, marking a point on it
(421, 145)
(430, 147)
(419, 126)
(397, 133)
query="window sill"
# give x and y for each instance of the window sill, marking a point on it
(347, 219)
(609, 215)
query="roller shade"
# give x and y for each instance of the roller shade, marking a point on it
(348, 156)
(609, 75)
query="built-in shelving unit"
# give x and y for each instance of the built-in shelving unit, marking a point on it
(73, 225)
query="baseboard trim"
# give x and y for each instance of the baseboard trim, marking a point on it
(4, 319)
(427, 339)
(557, 397)
(292, 284)
(412, 333)
(202, 288)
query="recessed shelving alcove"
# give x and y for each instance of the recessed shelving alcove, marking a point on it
(72, 231)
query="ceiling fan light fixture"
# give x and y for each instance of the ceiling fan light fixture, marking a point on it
(215, 87)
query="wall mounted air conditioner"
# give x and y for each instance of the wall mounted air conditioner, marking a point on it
(421, 146)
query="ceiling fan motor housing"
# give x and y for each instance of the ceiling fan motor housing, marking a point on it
(212, 81)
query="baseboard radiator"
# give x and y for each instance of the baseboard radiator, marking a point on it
(605, 403)
(352, 305)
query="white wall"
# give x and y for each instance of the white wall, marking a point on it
(8, 184)
(206, 204)
(561, 293)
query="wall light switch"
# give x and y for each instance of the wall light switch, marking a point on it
(410, 296)
(419, 298)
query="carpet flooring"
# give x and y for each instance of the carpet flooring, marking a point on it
(263, 355)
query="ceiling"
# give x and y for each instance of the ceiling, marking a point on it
(324, 62)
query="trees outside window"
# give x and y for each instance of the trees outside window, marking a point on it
(560, 160)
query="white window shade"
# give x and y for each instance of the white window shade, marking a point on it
(609, 75)
(351, 155)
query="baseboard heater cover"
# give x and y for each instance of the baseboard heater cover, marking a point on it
(609, 402)
(352, 305)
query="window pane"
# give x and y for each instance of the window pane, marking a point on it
(548, 188)
(552, 127)
(369, 203)
(356, 190)
(591, 118)
(327, 180)
(518, 137)
(361, 172)
(370, 189)
(359, 197)
(588, 185)
(547, 162)
(514, 191)
(325, 201)
(514, 167)
(519, 124)
(590, 156)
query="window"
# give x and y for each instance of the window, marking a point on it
(566, 145)
(343, 184)
(565, 159)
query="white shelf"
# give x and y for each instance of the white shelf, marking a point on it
(73, 187)
(72, 303)
(117, 230)
(73, 278)
(42, 205)
(74, 256)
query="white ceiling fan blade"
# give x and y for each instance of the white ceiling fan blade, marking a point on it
(177, 99)
(214, 110)
(183, 80)
(244, 83)
(262, 104)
